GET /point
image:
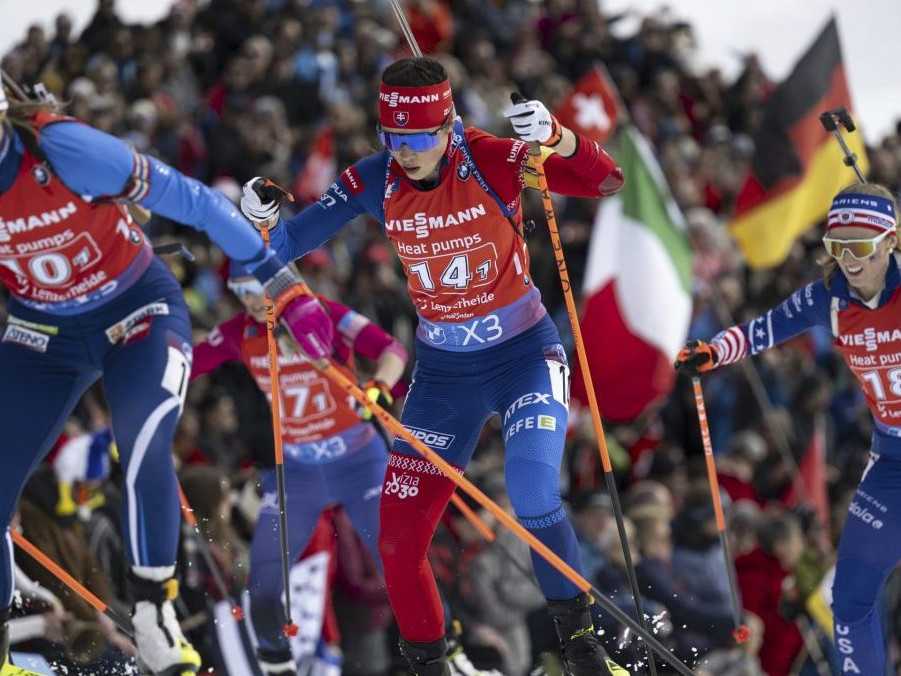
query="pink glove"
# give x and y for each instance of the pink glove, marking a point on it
(307, 322)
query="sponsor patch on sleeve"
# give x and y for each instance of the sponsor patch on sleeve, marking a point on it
(352, 181)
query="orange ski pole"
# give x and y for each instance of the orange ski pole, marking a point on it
(740, 633)
(289, 628)
(349, 387)
(473, 518)
(83, 592)
(582, 356)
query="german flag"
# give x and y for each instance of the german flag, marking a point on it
(797, 167)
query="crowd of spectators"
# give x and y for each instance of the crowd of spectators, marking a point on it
(231, 89)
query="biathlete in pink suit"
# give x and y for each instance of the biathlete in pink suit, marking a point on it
(449, 199)
(859, 302)
(332, 456)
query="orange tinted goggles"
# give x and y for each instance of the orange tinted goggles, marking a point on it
(858, 248)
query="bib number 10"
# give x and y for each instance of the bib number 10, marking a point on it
(47, 269)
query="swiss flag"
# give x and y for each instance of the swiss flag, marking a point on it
(592, 108)
(319, 171)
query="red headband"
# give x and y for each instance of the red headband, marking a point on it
(414, 107)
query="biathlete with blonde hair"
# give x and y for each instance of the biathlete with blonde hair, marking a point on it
(449, 200)
(89, 299)
(859, 302)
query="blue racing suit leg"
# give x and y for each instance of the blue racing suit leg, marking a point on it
(38, 391)
(356, 485)
(306, 498)
(869, 549)
(532, 398)
(145, 382)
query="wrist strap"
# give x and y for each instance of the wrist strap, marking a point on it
(282, 300)
(556, 134)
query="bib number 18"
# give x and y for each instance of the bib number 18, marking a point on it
(875, 380)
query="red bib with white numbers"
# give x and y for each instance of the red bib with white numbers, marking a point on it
(466, 263)
(58, 250)
(870, 343)
(312, 406)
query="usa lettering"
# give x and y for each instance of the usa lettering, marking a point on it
(845, 649)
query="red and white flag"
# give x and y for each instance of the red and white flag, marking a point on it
(320, 168)
(592, 108)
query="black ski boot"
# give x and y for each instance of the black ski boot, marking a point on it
(426, 659)
(277, 662)
(580, 648)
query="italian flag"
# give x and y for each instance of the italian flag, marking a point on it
(637, 288)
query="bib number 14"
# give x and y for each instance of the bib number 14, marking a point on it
(457, 272)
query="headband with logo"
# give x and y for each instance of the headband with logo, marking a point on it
(414, 107)
(864, 211)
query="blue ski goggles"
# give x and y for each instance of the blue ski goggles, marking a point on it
(417, 141)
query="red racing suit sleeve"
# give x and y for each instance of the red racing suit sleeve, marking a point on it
(223, 344)
(589, 172)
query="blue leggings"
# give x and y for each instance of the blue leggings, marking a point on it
(144, 377)
(525, 381)
(869, 550)
(353, 481)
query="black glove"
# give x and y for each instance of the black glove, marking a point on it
(696, 357)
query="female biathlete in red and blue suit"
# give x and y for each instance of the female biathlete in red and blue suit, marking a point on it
(859, 302)
(88, 300)
(449, 199)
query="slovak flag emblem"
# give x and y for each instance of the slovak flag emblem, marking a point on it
(401, 117)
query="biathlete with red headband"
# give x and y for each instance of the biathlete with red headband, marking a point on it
(449, 199)
(859, 301)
